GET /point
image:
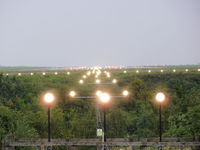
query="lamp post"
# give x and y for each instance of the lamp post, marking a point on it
(104, 98)
(160, 98)
(49, 99)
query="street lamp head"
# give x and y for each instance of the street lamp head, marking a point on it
(49, 98)
(72, 93)
(125, 93)
(104, 97)
(160, 97)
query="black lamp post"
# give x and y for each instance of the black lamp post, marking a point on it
(160, 98)
(49, 99)
(104, 98)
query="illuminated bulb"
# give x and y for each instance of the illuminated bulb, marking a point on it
(31, 73)
(7, 74)
(81, 81)
(72, 93)
(84, 76)
(125, 71)
(56, 73)
(68, 73)
(160, 97)
(104, 97)
(161, 70)
(43, 73)
(49, 97)
(198, 70)
(174, 70)
(19, 74)
(186, 70)
(137, 71)
(97, 81)
(88, 73)
(98, 93)
(149, 71)
(125, 93)
(114, 81)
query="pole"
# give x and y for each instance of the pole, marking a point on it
(49, 125)
(160, 111)
(104, 123)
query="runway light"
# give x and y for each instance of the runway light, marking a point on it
(68, 73)
(174, 70)
(125, 71)
(149, 71)
(19, 74)
(49, 98)
(125, 93)
(81, 81)
(137, 71)
(43, 73)
(98, 93)
(161, 70)
(186, 70)
(98, 81)
(104, 97)
(56, 73)
(72, 93)
(84, 76)
(198, 70)
(160, 97)
(7, 74)
(114, 81)
(32, 74)
(88, 73)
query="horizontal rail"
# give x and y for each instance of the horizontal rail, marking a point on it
(110, 142)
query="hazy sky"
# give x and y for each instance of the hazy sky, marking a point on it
(99, 32)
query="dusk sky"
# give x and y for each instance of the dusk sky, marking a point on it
(99, 32)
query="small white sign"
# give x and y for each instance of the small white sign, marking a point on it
(99, 132)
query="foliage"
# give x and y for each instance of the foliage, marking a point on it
(23, 115)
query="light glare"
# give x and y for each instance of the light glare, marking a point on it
(104, 97)
(125, 93)
(160, 97)
(72, 93)
(49, 97)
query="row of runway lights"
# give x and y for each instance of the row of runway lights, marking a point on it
(137, 71)
(96, 74)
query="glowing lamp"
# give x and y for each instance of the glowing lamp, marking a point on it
(160, 97)
(125, 93)
(49, 98)
(72, 93)
(114, 81)
(104, 97)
